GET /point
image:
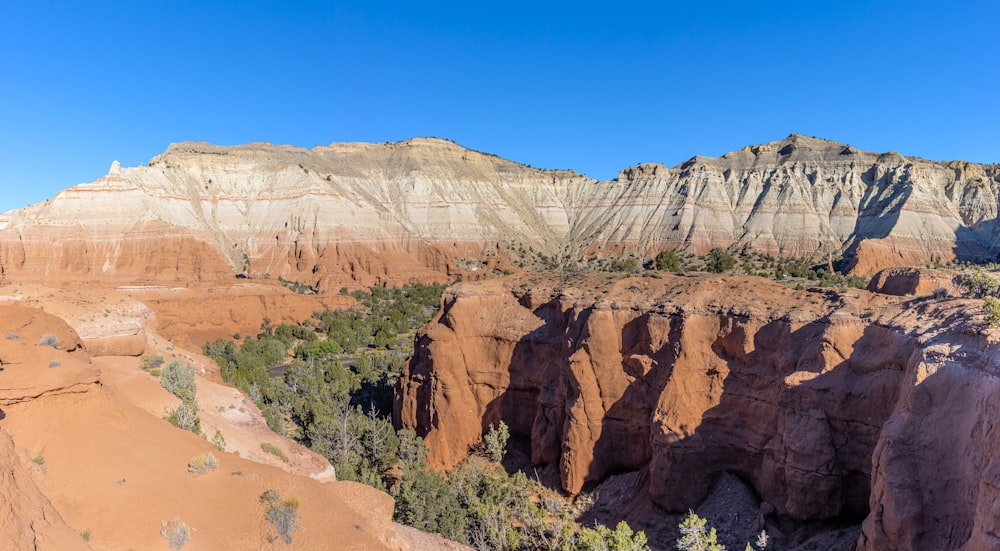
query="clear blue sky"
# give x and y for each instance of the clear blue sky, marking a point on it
(591, 86)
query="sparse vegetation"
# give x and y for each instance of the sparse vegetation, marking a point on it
(283, 514)
(667, 261)
(719, 261)
(991, 311)
(38, 459)
(628, 265)
(49, 339)
(600, 537)
(12, 336)
(495, 442)
(270, 448)
(55, 363)
(979, 285)
(176, 532)
(219, 441)
(332, 391)
(148, 363)
(697, 535)
(298, 287)
(185, 416)
(85, 534)
(178, 378)
(201, 464)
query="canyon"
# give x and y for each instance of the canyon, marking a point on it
(871, 409)
(829, 404)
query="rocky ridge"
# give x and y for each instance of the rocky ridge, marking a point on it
(428, 209)
(830, 404)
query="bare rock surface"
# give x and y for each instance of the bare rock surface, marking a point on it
(827, 411)
(427, 209)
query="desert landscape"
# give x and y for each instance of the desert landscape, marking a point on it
(415, 345)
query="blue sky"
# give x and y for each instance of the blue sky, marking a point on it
(591, 86)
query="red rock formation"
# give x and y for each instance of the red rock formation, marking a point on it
(692, 377)
(191, 317)
(912, 281)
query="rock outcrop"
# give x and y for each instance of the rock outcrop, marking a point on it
(428, 209)
(827, 411)
(914, 281)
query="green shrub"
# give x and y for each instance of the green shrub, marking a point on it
(991, 311)
(178, 378)
(85, 534)
(156, 372)
(283, 514)
(495, 442)
(219, 441)
(185, 416)
(980, 284)
(150, 362)
(201, 464)
(627, 265)
(667, 261)
(719, 261)
(426, 501)
(176, 532)
(270, 448)
(622, 538)
(696, 535)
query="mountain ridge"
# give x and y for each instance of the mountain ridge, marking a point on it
(326, 215)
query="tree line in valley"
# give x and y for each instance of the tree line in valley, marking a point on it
(328, 383)
(334, 395)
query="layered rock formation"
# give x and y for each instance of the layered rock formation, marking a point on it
(427, 209)
(827, 411)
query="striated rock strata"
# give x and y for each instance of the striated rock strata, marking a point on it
(428, 209)
(827, 411)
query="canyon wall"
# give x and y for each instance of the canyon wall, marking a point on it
(428, 209)
(832, 405)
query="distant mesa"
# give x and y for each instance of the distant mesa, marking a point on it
(418, 210)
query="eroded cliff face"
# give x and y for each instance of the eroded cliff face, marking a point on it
(805, 395)
(428, 209)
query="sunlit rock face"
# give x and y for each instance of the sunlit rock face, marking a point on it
(428, 209)
(828, 411)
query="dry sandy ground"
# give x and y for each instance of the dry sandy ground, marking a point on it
(87, 461)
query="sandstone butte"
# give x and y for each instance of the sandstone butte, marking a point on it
(427, 209)
(830, 404)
